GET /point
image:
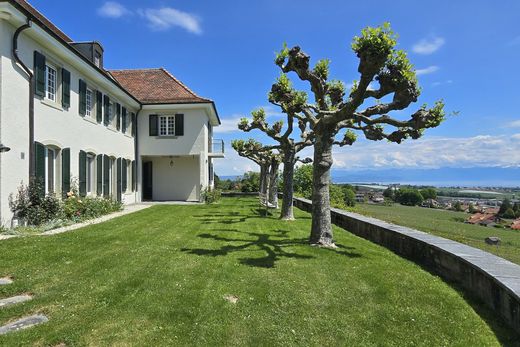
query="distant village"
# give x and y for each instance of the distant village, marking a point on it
(487, 212)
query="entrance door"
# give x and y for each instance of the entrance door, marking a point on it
(147, 181)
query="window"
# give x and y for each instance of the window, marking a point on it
(50, 164)
(166, 125)
(89, 103)
(111, 113)
(91, 160)
(51, 78)
(128, 175)
(97, 59)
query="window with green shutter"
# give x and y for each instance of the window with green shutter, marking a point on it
(65, 88)
(134, 177)
(65, 171)
(82, 97)
(179, 124)
(99, 174)
(82, 173)
(153, 126)
(118, 116)
(106, 110)
(39, 74)
(123, 120)
(124, 175)
(107, 163)
(39, 158)
(99, 106)
(118, 179)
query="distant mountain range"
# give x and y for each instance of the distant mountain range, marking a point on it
(443, 177)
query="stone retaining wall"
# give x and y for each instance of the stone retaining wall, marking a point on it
(494, 280)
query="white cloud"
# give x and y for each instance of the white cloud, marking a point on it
(228, 124)
(425, 153)
(440, 83)
(112, 9)
(428, 46)
(433, 152)
(514, 124)
(427, 70)
(167, 17)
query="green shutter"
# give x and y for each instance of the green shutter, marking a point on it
(124, 120)
(39, 158)
(39, 74)
(99, 106)
(82, 97)
(106, 176)
(134, 123)
(99, 174)
(153, 127)
(82, 173)
(118, 179)
(65, 171)
(134, 178)
(124, 175)
(118, 117)
(65, 88)
(179, 124)
(106, 104)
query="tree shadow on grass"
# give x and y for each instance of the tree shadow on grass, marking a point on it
(273, 246)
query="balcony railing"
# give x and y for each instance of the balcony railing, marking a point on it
(217, 146)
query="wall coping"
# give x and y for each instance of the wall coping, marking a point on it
(502, 272)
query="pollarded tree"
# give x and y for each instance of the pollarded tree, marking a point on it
(268, 161)
(362, 109)
(287, 146)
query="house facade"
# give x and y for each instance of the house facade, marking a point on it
(131, 135)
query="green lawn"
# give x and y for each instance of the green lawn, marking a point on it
(448, 224)
(159, 277)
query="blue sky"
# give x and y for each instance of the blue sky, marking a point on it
(467, 53)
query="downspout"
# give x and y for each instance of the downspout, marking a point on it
(31, 93)
(136, 154)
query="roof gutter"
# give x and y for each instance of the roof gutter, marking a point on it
(31, 93)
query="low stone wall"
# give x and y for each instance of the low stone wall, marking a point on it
(494, 280)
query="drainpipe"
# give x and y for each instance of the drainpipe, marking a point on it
(31, 93)
(136, 153)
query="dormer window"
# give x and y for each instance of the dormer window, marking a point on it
(97, 59)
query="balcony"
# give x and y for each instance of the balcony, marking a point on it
(216, 148)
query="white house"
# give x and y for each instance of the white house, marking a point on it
(132, 135)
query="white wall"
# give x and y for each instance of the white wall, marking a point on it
(177, 182)
(53, 125)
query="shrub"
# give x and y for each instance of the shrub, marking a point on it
(510, 214)
(303, 181)
(77, 209)
(210, 196)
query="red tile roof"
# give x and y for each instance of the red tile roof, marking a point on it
(40, 17)
(478, 218)
(156, 86)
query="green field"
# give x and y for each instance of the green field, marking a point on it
(161, 276)
(448, 224)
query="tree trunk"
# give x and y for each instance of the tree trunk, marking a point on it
(321, 232)
(273, 183)
(288, 185)
(264, 171)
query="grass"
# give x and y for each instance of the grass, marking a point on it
(448, 224)
(159, 277)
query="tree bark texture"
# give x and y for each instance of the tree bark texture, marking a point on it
(289, 160)
(321, 231)
(273, 183)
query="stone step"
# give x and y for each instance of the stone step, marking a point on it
(4, 281)
(14, 300)
(23, 323)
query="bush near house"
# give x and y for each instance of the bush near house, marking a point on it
(35, 208)
(210, 196)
